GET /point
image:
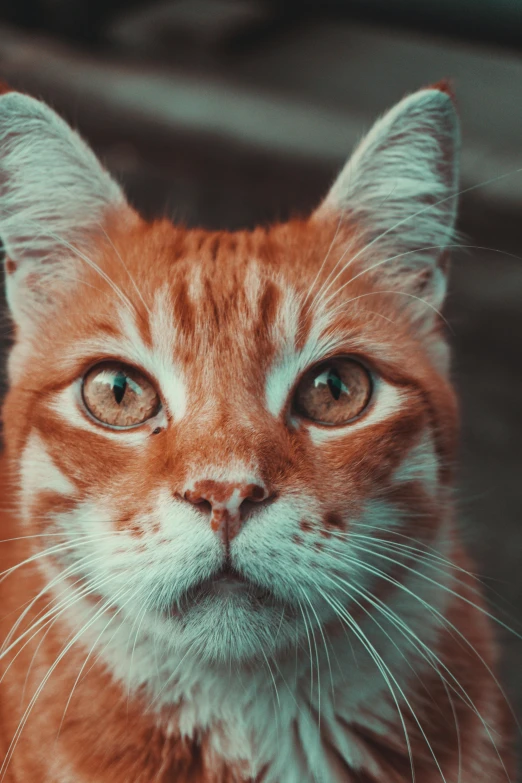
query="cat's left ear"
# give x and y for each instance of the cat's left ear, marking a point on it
(54, 198)
(398, 191)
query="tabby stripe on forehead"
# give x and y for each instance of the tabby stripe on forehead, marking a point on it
(183, 309)
(288, 362)
(158, 360)
(269, 300)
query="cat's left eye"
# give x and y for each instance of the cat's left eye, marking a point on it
(118, 395)
(333, 393)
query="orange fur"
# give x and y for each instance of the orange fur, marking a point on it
(224, 293)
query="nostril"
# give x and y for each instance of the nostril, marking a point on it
(257, 493)
(252, 503)
(204, 506)
(199, 502)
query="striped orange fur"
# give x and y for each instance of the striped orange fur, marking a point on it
(252, 571)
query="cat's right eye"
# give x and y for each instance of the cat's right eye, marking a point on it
(119, 396)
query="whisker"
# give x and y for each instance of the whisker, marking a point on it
(124, 265)
(321, 631)
(139, 616)
(50, 551)
(393, 292)
(431, 556)
(317, 664)
(301, 608)
(325, 259)
(396, 621)
(43, 620)
(53, 615)
(36, 229)
(318, 295)
(92, 558)
(382, 575)
(377, 659)
(93, 646)
(52, 668)
(273, 683)
(445, 588)
(404, 254)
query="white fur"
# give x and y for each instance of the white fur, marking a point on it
(288, 362)
(421, 464)
(264, 715)
(39, 473)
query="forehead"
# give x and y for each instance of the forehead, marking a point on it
(207, 286)
(213, 289)
(220, 261)
(237, 302)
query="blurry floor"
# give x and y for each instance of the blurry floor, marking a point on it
(257, 133)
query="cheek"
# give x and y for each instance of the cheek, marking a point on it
(94, 458)
(350, 466)
(294, 546)
(166, 535)
(47, 509)
(44, 485)
(156, 551)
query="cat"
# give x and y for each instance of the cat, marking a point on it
(230, 551)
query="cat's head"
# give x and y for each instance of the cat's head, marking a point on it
(218, 430)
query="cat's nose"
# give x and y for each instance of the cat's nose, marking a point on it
(227, 504)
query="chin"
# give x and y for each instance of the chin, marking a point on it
(227, 625)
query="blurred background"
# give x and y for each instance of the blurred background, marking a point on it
(229, 113)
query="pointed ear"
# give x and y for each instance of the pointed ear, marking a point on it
(399, 191)
(54, 195)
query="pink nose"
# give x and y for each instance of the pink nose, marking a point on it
(228, 504)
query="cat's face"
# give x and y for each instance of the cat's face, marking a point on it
(215, 429)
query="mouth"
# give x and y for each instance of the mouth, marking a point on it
(227, 574)
(225, 583)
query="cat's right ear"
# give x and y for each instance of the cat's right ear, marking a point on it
(54, 197)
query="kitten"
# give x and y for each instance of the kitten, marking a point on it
(228, 481)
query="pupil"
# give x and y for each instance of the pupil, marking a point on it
(119, 386)
(335, 384)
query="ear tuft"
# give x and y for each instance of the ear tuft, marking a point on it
(4, 87)
(444, 85)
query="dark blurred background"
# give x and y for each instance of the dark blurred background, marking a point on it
(228, 113)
